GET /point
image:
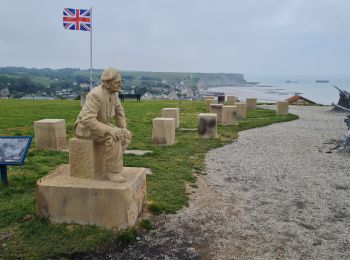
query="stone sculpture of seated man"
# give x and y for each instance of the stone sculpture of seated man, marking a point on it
(102, 103)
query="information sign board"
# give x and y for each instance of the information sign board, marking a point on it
(13, 149)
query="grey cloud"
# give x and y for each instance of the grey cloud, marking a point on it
(248, 36)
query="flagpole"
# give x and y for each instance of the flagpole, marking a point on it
(91, 50)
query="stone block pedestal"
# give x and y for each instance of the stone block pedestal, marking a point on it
(50, 134)
(241, 110)
(208, 103)
(251, 103)
(207, 125)
(282, 107)
(63, 198)
(163, 132)
(231, 100)
(217, 108)
(172, 113)
(229, 115)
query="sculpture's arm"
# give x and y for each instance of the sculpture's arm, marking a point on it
(88, 116)
(120, 115)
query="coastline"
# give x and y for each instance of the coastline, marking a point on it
(324, 94)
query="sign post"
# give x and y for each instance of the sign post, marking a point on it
(3, 171)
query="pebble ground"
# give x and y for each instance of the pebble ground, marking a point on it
(278, 192)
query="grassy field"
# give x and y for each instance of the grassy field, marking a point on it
(24, 235)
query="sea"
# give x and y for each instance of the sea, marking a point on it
(280, 87)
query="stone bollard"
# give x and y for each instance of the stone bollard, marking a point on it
(163, 132)
(207, 125)
(83, 98)
(221, 99)
(251, 103)
(282, 107)
(208, 102)
(172, 113)
(50, 134)
(229, 115)
(217, 108)
(231, 100)
(241, 110)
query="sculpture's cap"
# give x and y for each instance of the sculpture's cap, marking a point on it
(109, 74)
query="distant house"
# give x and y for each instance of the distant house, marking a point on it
(147, 95)
(84, 85)
(4, 92)
(299, 100)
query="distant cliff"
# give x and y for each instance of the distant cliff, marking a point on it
(208, 80)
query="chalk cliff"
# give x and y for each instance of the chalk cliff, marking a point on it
(208, 80)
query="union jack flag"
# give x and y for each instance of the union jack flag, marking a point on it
(77, 19)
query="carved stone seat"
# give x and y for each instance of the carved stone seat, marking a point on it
(86, 159)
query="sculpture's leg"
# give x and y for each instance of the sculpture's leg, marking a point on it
(114, 160)
(113, 154)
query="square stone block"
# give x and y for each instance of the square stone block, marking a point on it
(282, 107)
(207, 125)
(208, 102)
(217, 108)
(172, 113)
(241, 110)
(86, 159)
(50, 134)
(231, 100)
(163, 132)
(251, 103)
(62, 198)
(229, 115)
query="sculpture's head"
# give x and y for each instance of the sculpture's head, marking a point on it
(111, 79)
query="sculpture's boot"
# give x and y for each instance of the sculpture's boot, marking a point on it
(116, 177)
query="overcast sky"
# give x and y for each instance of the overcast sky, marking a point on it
(246, 36)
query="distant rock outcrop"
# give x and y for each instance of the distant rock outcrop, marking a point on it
(208, 80)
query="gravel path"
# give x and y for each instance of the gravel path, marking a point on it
(276, 193)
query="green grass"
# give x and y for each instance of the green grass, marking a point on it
(24, 235)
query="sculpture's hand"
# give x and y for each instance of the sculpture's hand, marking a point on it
(115, 132)
(119, 133)
(127, 134)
